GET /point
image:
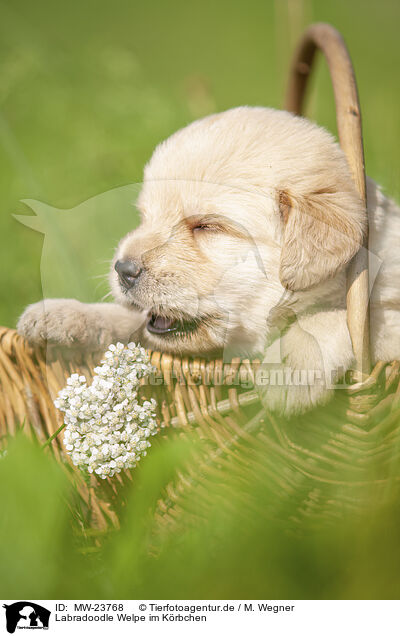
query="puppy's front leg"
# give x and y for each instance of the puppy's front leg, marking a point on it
(314, 352)
(70, 323)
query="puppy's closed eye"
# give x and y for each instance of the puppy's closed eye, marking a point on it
(215, 224)
(204, 226)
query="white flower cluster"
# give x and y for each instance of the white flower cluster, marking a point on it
(107, 428)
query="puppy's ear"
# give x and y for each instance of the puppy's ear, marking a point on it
(321, 232)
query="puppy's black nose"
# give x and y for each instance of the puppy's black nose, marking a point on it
(128, 272)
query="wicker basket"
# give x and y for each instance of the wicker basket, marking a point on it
(209, 398)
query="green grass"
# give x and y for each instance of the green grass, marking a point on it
(244, 546)
(88, 89)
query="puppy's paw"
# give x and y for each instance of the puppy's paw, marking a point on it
(299, 379)
(310, 357)
(294, 391)
(66, 323)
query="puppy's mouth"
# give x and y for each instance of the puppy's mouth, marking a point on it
(162, 326)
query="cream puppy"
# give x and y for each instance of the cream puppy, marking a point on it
(249, 219)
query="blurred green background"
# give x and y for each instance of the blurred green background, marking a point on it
(230, 536)
(87, 89)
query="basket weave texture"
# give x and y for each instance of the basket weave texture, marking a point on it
(308, 454)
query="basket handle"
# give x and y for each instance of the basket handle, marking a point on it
(328, 40)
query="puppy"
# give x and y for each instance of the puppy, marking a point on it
(249, 219)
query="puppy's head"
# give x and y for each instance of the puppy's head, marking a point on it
(237, 209)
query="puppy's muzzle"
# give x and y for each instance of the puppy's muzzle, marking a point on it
(128, 272)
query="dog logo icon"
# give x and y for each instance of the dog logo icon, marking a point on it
(26, 615)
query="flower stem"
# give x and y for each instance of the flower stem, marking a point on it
(50, 439)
